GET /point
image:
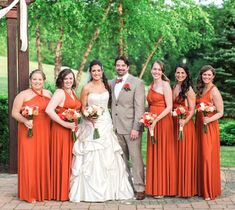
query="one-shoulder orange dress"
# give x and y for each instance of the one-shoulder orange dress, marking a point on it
(209, 181)
(34, 154)
(61, 152)
(161, 159)
(186, 153)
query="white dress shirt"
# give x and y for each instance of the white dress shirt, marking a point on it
(118, 86)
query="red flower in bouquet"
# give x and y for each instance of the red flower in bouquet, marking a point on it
(94, 112)
(147, 119)
(181, 112)
(126, 87)
(205, 108)
(71, 115)
(28, 112)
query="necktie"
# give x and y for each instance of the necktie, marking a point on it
(118, 80)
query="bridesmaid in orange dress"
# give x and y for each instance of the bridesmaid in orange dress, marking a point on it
(209, 182)
(61, 134)
(186, 149)
(161, 160)
(34, 151)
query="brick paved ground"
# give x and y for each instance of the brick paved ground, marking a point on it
(8, 199)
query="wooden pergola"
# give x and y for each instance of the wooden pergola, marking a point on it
(18, 73)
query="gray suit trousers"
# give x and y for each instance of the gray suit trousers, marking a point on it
(132, 151)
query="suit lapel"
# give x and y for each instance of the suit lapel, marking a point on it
(128, 80)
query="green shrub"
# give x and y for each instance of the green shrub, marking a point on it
(4, 132)
(50, 86)
(227, 132)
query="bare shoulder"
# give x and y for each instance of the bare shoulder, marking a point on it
(86, 88)
(24, 93)
(190, 91)
(166, 84)
(59, 93)
(47, 93)
(215, 90)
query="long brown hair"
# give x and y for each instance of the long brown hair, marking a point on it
(200, 83)
(162, 66)
(186, 84)
(104, 79)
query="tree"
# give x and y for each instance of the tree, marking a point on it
(95, 35)
(222, 55)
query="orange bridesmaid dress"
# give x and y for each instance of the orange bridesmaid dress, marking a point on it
(61, 152)
(209, 182)
(186, 153)
(161, 160)
(34, 154)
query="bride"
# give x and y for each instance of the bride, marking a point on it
(98, 170)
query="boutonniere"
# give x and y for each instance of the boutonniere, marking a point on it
(126, 87)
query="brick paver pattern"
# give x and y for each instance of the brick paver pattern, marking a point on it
(9, 200)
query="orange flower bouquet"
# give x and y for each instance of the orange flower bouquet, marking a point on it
(71, 115)
(28, 112)
(181, 112)
(94, 112)
(205, 108)
(147, 119)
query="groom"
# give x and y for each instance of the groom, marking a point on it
(128, 99)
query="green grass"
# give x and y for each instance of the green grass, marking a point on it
(227, 154)
(48, 70)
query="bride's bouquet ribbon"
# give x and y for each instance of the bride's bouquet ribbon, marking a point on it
(23, 21)
(94, 112)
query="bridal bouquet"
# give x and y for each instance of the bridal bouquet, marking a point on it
(71, 115)
(147, 119)
(205, 108)
(94, 112)
(180, 112)
(28, 112)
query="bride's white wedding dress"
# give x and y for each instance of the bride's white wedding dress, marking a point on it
(98, 170)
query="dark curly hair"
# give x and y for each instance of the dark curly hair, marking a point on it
(60, 79)
(104, 79)
(186, 83)
(200, 83)
(123, 58)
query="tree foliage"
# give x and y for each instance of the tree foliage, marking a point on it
(184, 28)
(222, 54)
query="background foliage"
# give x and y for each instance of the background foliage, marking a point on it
(4, 134)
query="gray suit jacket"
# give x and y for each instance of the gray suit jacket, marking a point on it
(128, 108)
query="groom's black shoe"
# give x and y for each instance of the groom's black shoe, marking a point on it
(140, 195)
